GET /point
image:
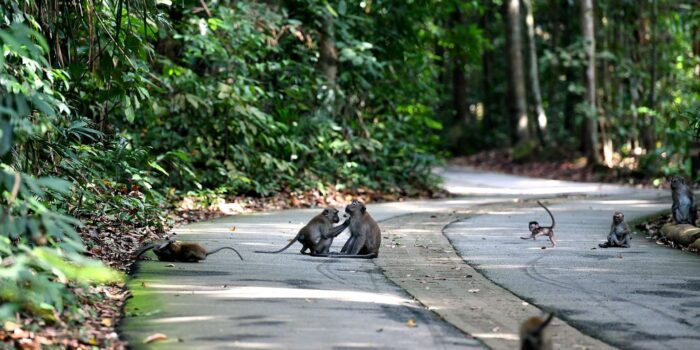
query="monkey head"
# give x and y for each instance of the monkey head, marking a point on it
(618, 217)
(676, 182)
(332, 214)
(533, 225)
(355, 208)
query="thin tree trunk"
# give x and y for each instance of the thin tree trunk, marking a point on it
(517, 76)
(649, 124)
(328, 55)
(459, 81)
(591, 124)
(554, 68)
(489, 120)
(534, 74)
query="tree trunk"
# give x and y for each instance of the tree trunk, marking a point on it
(534, 74)
(649, 124)
(554, 68)
(516, 76)
(328, 55)
(489, 121)
(591, 124)
(459, 81)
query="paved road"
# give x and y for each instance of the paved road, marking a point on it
(294, 302)
(645, 297)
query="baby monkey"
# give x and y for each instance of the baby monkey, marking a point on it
(619, 235)
(537, 230)
(180, 251)
(533, 334)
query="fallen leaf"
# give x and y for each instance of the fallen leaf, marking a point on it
(232, 229)
(10, 326)
(155, 337)
(107, 322)
(411, 323)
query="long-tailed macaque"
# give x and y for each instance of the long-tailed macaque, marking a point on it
(170, 250)
(317, 235)
(537, 230)
(534, 335)
(619, 235)
(683, 208)
(365, 235)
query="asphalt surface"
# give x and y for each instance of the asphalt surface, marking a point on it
(644, 297)
(289, 301)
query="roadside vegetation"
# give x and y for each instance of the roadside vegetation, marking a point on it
(122, 118)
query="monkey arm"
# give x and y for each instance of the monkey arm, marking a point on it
(335, 231)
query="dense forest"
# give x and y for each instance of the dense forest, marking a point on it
(113, 110)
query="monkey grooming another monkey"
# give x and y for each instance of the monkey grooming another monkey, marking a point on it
(537, 230)
(181, 252)
(533, 334)
(365, 235)
(317, 235)
(619, 235)
(683, 208)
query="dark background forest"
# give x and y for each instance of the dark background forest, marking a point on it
(111, 111)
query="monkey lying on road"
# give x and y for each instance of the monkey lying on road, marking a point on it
(179, 251)
(537, 230)
(365, 235)
(318, 234)
(619, 235)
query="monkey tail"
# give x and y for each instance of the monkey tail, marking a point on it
(548, 212)
(348, 256)
(144, 249)
(296, 238)
(544, 324)
(222, 248)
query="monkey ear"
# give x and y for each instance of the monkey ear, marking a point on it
(325, 211)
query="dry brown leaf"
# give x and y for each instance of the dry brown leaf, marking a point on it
(232, 229)
(11, 326)
(411, 323)
(155, 337)
(107, 322)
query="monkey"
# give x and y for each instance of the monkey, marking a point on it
(317, 235)
(365, 235)
(619, 235)
(533, 335)
(182, 252)
(683, 208)
(537, 230)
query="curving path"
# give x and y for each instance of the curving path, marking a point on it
(289, 301)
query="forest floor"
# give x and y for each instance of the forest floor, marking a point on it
(573, 169)
(286, 299)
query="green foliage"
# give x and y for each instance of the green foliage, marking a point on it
(31, 112)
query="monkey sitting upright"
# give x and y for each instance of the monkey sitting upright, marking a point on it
(683, 208)
(365, 235)
(537, 230)
(619, 235)
(180, 251)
